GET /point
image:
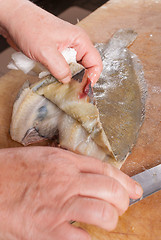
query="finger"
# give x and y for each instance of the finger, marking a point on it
(54, 61)
(92, 165)
(104, 188)
(93, 74)
(92, 211)
(133, 188)
(68, 232)
(89, 57)
(92, 61)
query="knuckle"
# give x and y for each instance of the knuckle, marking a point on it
(81, 183)
(105, 213)
(42, 51)
(124, 200)
(82, 37)
(109, 215)
(120, 194)
(125, 204)
(61, 70)
(114, 220)
(80, 31)
(63, 74)
(53, 153)
(116, 189)
(107, 169)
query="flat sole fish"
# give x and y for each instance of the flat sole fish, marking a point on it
(102, 123)
(120, 93)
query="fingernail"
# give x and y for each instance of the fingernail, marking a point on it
(138, 189)
(66, 80)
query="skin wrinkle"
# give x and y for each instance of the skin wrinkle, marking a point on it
(112, 185)
(111, 217)
(53, 177)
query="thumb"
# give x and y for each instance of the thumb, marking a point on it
(54, 61)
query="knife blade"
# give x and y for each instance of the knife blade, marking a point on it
(150, 180)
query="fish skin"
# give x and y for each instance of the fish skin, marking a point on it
(67, 98)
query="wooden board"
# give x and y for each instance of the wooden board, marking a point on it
(142, 221)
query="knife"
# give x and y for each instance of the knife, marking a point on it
(150, 180)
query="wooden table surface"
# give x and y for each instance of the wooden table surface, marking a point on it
(142, 221)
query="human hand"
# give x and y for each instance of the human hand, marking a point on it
(42, 36)
(44, 188)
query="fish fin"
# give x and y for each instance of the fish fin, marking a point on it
(124, 37)
(32, 136)
(121, 39)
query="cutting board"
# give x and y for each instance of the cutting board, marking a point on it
(142, 221)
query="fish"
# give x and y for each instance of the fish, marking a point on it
(52, 110)
(101, 122)
(121, 93)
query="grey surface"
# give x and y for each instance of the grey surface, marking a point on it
(56, 8)
(150, 180)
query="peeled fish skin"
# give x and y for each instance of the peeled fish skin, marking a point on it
(75, 120)
(66, 97)
(45, 120)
